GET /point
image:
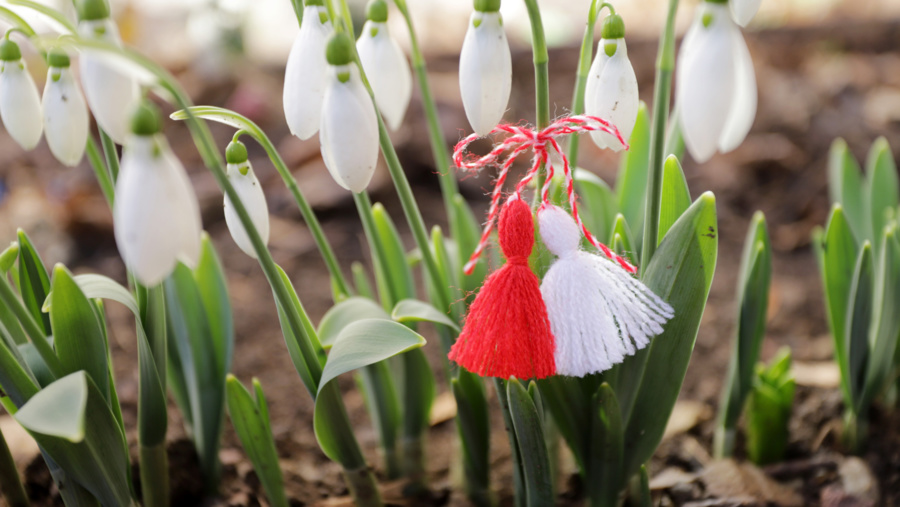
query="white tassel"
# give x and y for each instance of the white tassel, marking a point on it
(598, 312)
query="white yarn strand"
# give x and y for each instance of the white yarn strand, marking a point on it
(599, 313)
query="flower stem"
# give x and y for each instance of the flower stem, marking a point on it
(112, 156)
(449, 186)
(665, 64)
(541, 77)
(96, 160)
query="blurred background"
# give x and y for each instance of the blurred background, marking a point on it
(825, 68)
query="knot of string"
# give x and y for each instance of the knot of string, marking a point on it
(519, 140)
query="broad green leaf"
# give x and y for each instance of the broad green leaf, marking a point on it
(529, 433)
(10, 326)
(78, 337)
(16, 378)
(34, 282)
(301, 348)
(571, 408)
(402, 283)
(345, 313)
(597, 204)
(470, 234)
(32, 361)
(884, 187)
(838, 261)
(449, 275)
(380, 393)
(417, 392)
(413, 310)
(8, 257)
(359, 344)
(631, 183)
(99, 460)
(361, 280)
(621, 233)
(213, 289)
(846, 187)
(885, 330)
(251, 423)
(859, 319)
(680, 272)
(604, 475)
(676, 197)
(474, 427)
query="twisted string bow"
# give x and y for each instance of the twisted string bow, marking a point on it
(520, 140)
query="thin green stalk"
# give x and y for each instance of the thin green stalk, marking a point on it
(32, 328)
(10, 483)
(106, 184)
(112, 156)
(541, 78)
(449, 186)
(665, 64)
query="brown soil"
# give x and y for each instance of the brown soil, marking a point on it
(815, 84)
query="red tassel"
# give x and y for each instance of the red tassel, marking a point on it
(507, 332)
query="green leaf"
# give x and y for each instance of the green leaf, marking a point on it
(474, 427)
(676, 198)
(413, 310)
(251, 423)
(597, 204)
(78, 336)
(631, 184)
(417, 392)
(301, 348)
(769, 410)
(885, 330)
(377, 385)
(680, 272)
(859, 319)
(398, 271)
(838, 261)
(361, 280)
(359, 344)
(621, 234)
(846, 186)
(8, 257)
(884, 187)
(470, 234)
(529, 432)
(449, 274)
(213, 289)
(607, 447)
(345, 313)
(571, 407)
(34, 283)
(98, 461)
(16, 378)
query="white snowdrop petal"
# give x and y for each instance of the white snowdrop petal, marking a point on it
(251, 194)
(305, 74)
(706, 81)
(66, 119)
(145, 215)
(742, 11)
(485, 71)
(112, 93)
(614, 96)
(349, 130)
(20, 105)
(387, 70)
(189, 225)
(592, 88)
(743, 105)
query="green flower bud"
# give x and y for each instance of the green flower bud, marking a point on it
(487, 5)
(377, 11)
(90, 10)
(58, 58)
(9, 51)
(146, 119)
(613, 27)
(236, 153)
(339, 50)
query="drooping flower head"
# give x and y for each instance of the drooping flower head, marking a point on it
(243, 179)
(612, 90)
(66, 119)
(156, 216)
(385, 65)
(485, 68)
(112, 93)
(306, 72)
(348, 131)
(20, 105)
(715, 83)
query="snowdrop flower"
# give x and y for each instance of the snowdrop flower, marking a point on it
(65, 113)
(485, 68)
(305, 75)
(349, 129)
(716, 84)
(156, 218)
(742, 11)
(240, 174)
(20, 105)
(612, 89)
(385, 65)
(111, 92)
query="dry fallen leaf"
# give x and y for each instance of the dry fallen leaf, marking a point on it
(825, 374)
(686, 415)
